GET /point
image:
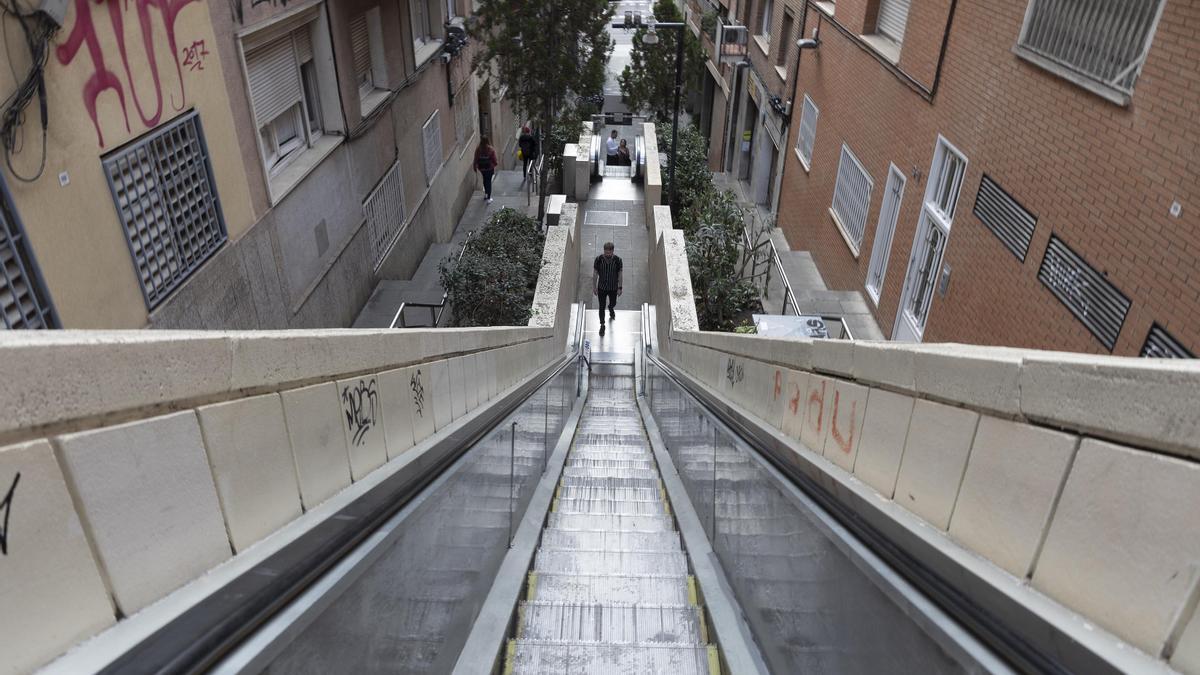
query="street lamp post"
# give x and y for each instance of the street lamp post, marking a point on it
(651, 38)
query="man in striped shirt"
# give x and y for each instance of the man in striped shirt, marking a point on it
(606, 282)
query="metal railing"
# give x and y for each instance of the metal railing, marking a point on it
(435, 309)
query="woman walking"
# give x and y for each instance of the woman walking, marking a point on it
(485, 164)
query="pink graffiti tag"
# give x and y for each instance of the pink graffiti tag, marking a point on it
(193, 56)
(778, 384)
(84, 32)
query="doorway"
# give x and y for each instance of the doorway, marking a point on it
(929, 246)
(484, 97)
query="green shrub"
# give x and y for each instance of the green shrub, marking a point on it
(494, 282)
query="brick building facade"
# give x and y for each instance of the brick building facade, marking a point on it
(1068, 132)
(1085, 234)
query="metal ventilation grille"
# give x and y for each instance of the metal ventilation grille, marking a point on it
(1162, 345)
(24, 302)
(1007, 219)
(384, 211)
(1090, 297)
(165, 196)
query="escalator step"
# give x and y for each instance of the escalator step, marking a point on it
(609, 588)
(612, 624)
(613, 521)
(610, 562)
(610, 540)
(554, 658)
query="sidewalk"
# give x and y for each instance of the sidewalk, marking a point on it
(812, 296)
(508, 190)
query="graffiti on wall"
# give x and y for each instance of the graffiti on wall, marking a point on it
(418, 392)
(239, 13)
(360, 405)
(144, 17)
(844, 439)
(6, 507)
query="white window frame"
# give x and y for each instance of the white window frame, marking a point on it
(764, 28)
(452, 10)
(276, 156)
(885, 231)
(898, 39)
(853, 222)
(1114, 89)
(811, 138)
(939, 189)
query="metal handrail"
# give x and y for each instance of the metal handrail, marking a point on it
(435, 309)
(788, 295)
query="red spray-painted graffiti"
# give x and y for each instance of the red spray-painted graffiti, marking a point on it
(103, 79)
(816, 399)
(778, 385)
(846, 443)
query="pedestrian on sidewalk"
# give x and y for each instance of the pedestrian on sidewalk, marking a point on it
(606, 281)
(485, 164)
(529, 149)
(613, 146)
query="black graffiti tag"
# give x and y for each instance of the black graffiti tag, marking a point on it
(360, 403)
(735, 372)
(6, 506)
(418, 391)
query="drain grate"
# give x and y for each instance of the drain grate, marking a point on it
(609, 218)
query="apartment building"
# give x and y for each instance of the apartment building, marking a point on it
(1019, 174)
(237, 164)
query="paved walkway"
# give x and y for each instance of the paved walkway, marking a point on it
(425, 287)
(614, 212)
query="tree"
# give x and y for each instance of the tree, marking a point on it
(545, 52)
(648, 83)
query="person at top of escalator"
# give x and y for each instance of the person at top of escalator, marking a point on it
(623, 158)
(613, 147)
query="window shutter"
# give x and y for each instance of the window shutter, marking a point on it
(274, 75)
(893, 15)
(360, 43)
(304, 52)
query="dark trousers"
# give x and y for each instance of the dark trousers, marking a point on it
(487, 183)
(612, 302)
(528, 162)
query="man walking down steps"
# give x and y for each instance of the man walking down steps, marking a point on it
(606, 281)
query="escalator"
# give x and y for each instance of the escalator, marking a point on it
(609, 589)
(601, 519)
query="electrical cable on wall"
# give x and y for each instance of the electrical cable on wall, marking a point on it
(38, 28)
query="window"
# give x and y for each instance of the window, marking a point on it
(167, 201)
(24, 302)
(785, 41)
(808, 132)
(284, 93)
(851, 198)
(431, 135)
(452, 9)
(766, 9)
(422, 21)
(385, 214)
(882, 250)
(893, 15)
(1099, 45)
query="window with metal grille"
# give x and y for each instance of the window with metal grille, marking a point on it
(24, 302)
(385, 214)
(1104, 41)
(1005, 217)
(893, 16)
(785, 42)
(1091, 297)
(1162, 345)
(851, 198)
(167, 201)
(431, 135)
(464, 117)
(807, 135)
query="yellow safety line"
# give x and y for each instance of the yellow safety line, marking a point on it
(714, 661)
(662, 492)
(693, 598)
(532, 586)
(703, 625)
(511, 656)
(520, 621)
